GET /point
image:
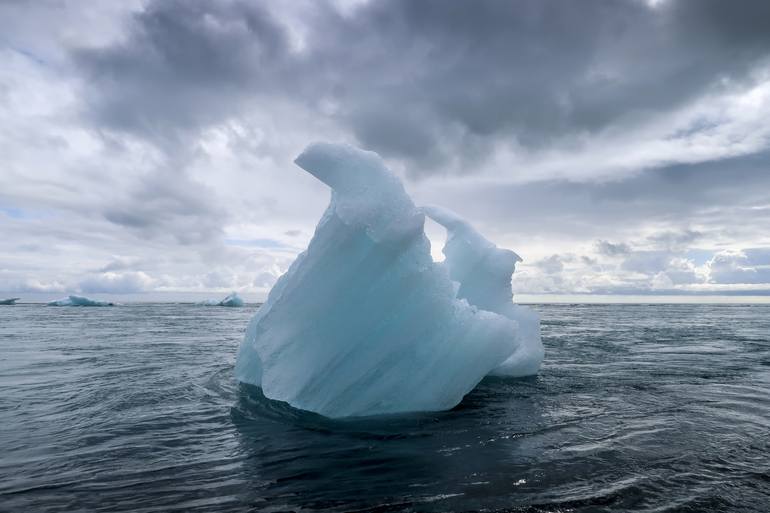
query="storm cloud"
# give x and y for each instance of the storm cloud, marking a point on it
(434, 82)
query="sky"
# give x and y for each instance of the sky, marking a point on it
(622, 148)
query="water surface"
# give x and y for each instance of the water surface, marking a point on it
(637, 408)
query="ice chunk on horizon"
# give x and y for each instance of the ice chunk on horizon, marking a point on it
(9, 301)
(483, 273)
(232, 300)
(79, 301)
(364, 322)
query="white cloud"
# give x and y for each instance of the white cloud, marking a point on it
(117, 282)
(735, 267)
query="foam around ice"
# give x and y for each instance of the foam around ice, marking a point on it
(364, 322)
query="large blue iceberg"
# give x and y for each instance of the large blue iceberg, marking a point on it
(364, 322)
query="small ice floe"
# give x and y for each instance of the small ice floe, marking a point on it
(79, 301)
(232, 300)
(9, 301)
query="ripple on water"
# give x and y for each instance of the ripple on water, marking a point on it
(644, 408)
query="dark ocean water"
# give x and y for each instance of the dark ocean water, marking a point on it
(637, 408)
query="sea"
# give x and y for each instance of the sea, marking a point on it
(654, 408)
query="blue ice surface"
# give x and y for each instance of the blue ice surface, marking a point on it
(364, 322)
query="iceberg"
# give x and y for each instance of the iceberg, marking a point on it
(483, 272)
(9, 301)
(232, 300)
(79, 301)
(364, 322)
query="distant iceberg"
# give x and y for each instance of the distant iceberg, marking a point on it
(364, 322)
(9, 301)
(233, 300)
(79, 301)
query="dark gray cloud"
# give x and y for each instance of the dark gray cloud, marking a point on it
(672, 239)
(607, 248)
(168, 204)
(551, 265)
(646, 262)
(726, 197)
(182, 66)
(120, 264)
(757, 256)
(429, 81)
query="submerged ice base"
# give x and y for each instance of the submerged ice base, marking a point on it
(364, 322)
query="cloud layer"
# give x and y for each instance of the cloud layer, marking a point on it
(619, 147)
